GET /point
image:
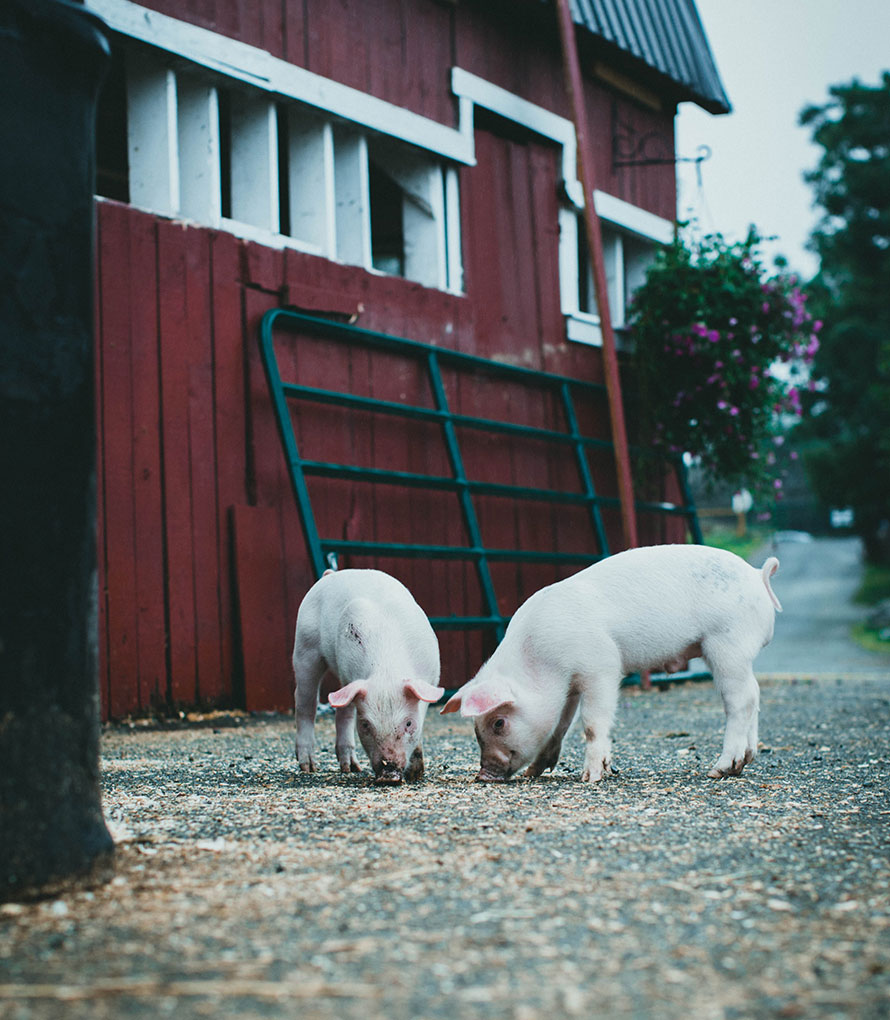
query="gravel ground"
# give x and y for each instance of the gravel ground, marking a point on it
(243, 889)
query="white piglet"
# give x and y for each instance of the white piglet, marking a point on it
(570, 645)
(366, 629)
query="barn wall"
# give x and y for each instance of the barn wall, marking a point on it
(202, 560)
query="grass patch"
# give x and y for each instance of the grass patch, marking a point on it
(869, 639)
(724, 537)
(875, 588)
(875, 585)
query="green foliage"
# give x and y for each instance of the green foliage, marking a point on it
(875, 586)
(848, 421)
(709, 327)
(726, 537)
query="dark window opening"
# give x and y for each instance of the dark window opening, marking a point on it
(586, 301)
(225, 153)
(112, 161)
(283, 170)
(387, 232)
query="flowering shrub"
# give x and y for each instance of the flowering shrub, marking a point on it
(721, 352)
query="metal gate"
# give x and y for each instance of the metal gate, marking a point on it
(324, 551)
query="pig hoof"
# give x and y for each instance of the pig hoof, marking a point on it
(597, 773)
(350, 766)
(308, 766)
(734, 769)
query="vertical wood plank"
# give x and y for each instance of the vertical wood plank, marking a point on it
(101, 620)
(175, 342)
(147, 478)
(264, 628)
(116, 490)
(230, 426)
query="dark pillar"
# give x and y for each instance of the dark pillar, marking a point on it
(52, 58)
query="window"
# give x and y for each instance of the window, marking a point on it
(178, 140)
(630, 237)
(626, 260)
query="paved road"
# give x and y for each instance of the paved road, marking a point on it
(816, 583)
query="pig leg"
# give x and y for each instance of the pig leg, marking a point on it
(599, 702)
(309, 668)
(345, 744)
(549, 754)
(741, 702)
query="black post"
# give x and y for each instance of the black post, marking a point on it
(52, 59)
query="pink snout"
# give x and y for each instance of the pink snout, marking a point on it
(389, 773)
(485, 775)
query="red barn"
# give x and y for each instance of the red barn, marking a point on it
(405, 167)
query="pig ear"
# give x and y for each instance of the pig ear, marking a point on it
(452, 704)
(486, 699)
(345, 695)
(423, 691)
(481, 699)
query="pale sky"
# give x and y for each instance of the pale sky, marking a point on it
(775, 57)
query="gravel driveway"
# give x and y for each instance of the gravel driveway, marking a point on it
(243, 889)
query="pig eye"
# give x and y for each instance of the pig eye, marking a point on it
(408, 724)
(365, 726)
(498, 725)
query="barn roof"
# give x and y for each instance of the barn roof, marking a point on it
(666, 36)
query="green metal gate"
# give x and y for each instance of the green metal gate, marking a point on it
(324, 551)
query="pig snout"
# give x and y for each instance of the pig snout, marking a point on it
(487, 775)
(388, 773)
(494, 769)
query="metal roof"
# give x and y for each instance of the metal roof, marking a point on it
(666, 35)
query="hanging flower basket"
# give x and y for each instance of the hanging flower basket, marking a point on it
(722, 350)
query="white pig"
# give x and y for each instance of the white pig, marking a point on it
(366, 629)
(571, 644)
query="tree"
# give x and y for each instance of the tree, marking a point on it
(848, 420)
